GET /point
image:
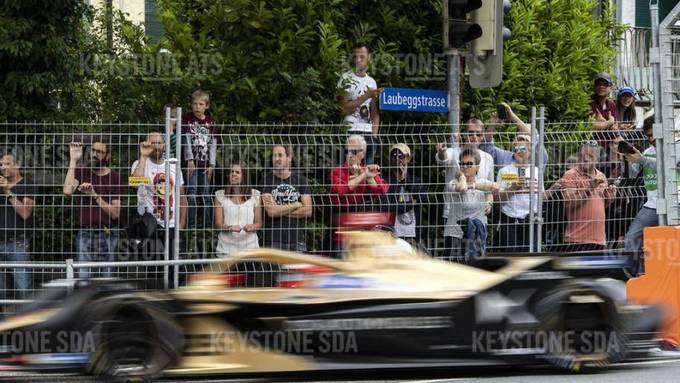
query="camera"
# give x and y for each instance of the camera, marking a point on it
(625, 148)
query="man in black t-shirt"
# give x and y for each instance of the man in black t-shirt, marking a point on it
(287, 202)
(16, 211)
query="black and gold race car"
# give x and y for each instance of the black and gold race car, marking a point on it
(385, 305)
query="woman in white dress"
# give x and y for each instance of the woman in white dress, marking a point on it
(238, 213)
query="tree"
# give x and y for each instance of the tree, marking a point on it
(41, 44)
(555, 50)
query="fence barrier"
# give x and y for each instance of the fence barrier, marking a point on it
(418, 208)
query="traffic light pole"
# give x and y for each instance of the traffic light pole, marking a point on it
(454, 93)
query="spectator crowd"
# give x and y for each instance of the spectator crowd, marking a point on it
(490, 191)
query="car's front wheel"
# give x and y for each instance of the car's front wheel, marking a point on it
(132, 338)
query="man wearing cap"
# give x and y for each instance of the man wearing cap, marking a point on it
(405, 195)
(605, 117)
(603, 109)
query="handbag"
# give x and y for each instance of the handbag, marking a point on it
(142, 226)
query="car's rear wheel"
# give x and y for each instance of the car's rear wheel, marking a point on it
(133, 339)
(582, 328)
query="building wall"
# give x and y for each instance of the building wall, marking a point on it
(134, 8)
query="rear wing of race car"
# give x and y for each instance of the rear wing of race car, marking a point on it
(609, 263)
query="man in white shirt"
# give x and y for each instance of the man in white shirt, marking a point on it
(360, 100)
(152, 194)
(518, 195)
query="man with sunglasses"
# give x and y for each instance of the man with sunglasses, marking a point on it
(518, 196)
(586, 195)
(405, 195)
(352, 182)
(470, 137)
(99, 204)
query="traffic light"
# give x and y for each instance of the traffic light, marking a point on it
(458, 30)
(486, 62)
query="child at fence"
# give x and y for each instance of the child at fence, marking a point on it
(200, 152)
(465, 233)
(238, 213)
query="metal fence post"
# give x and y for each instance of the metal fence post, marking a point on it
(166, 205)
(664, 130)
(532, 163)
(178, 189)
(69, 269)
(539, 159)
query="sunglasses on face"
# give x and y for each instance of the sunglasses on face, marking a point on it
(467, 164)
(398, 155)
(520, 149)
(354, 152)
(590, 143)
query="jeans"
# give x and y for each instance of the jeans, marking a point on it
(646, 217)
(15, 251)
(96, 245)
(199, 187)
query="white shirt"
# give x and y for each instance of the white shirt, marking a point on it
(151, 198)
(405, 223)
(356, 86)
(485, 172)
(229, 243)
(517, 206)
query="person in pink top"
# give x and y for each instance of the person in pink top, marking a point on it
(586, 194)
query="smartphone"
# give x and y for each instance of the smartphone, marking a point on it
(501, 112)
(625, 147)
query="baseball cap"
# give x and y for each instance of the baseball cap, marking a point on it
(626, 90)
(402, 148)
(603, 76)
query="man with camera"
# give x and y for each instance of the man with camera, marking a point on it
(502, 157)
(644, 162)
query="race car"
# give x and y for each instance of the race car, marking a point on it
(384, 305)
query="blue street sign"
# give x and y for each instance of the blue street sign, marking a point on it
(414, 100)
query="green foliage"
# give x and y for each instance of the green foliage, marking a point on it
(40, 47)
(281, 60)
(555, 50)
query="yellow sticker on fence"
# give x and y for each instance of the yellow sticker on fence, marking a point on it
(136, 181)
(509, 177)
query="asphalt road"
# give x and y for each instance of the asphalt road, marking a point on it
(652, 371)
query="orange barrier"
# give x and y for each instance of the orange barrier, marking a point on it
(661, 282)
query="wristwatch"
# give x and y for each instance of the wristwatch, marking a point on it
(11, 195)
